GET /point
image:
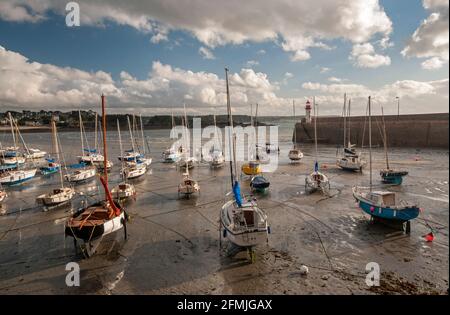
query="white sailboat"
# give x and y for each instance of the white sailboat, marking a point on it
(295, 154)
(242, 222)
(124, 190)
(62, 194)
(10, 155)
(172, 154)
(17, 176)
(186, 160)
(35, 154)
(217, 157)
(88, 172)
(144, 158)
(350, 160)
(136, 168)
(316, 181)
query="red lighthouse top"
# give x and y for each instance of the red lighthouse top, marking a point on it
(308, 105)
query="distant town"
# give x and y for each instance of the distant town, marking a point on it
(70, 120)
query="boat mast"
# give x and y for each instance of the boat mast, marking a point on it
(349, 127)
(295, 133)
(230, 124)
(385, 139)
(370, 144)
(105, 160)
(121, 152)
(131, 137)
(345, 119)
(96, 133)
(186, 132)
(315, 124)
(12, 130)
(142, 134)
(81, 133)
(56, 147)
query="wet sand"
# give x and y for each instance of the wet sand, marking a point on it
(173, 244)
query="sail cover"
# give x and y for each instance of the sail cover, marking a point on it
(237, 193)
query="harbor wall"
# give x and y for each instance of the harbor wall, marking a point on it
(424, 130)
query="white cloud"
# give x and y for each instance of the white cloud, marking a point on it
(364, 56)
(432, 63)
(431, 38)
(288, 75)
(297, 25)
(252, 63)
(324, 70)
(206, 53)
(337, 80)
(261, 52)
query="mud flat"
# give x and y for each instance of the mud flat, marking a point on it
(173, 244)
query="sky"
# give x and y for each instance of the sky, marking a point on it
(154, 56)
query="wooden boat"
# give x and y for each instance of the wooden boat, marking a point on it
(92, 223)
(350, 159)
(388, 175)
(295, 154)
(316, 181)
(383, 205)
(259, 183)
(242, 222)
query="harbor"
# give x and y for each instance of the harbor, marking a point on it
(173, 243)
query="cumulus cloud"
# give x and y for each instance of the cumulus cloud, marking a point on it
(252, 63)
(296, 25)
(206, 53)
(431, 38)
(324, 69)
(364, 56)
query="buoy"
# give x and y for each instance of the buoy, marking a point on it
(372, 209)
(429, 237)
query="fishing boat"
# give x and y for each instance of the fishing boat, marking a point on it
(382, 205)
(389, 175)
(61, 194)
(295, 154)
(34, 154)
(51, 168)
(350, 160)
(259, 183)
(124, 190)
(217, 159)
(92, 223)
(136, 168)
(242, 222)
(316, 181)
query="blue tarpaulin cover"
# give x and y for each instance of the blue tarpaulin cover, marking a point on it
(237, 193)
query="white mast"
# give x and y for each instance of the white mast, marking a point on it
(295, 133)
(81, 133)
(385, 139)
(96, 134)
(142, 134)
(370, 144)
(315, 124)
(121, 152)
(132, 139)
(345, 119)
(349, 126)
(12, 130)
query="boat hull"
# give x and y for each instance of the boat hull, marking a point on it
(17, 177)
(392, 178)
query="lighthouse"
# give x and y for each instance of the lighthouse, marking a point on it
(308, 112)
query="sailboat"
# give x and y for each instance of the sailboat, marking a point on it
(53, 166)
(92, 223)
(261, 154)
(217, 158)
(316, 180)
(124, 190)
(186, 161)
(93, 156)
(87, 172)
(17, 175)
(59, 195)
(295, 155)
(172, 154)
(188, 185)
(143, 158)
(383, 205)
(389, 175)
(351, 160)
(241, 221)
(11, 156)
(252, 167)
(133, 168)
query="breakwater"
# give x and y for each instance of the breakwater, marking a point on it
(424, 130)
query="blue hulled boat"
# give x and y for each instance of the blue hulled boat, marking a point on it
(259, 183)
(51, 168)
(392, 177)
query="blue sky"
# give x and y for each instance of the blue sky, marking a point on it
(111, 47)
